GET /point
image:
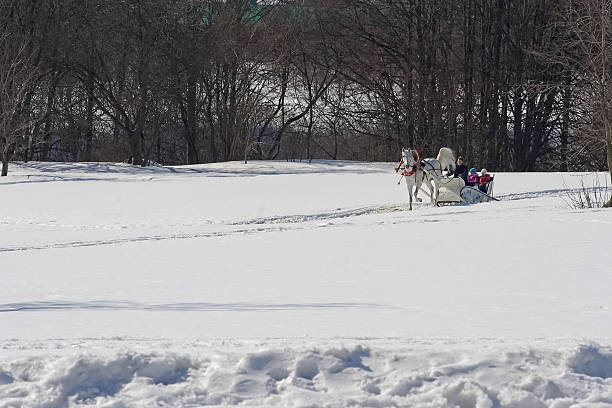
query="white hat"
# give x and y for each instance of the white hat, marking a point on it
(483, 171)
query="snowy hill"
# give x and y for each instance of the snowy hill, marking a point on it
(296, 284)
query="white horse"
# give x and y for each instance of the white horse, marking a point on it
(428, 171)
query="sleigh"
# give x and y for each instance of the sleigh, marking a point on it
(416, 172)
(454, 191)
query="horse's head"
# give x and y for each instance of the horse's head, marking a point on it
(408, 158)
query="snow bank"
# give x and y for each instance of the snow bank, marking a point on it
(354, 375)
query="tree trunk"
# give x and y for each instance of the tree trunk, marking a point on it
(609, 150)
(605, 22)
(190, 120)
(468, 73)
(309, 134)
(135, 146)
(608, 130)
(565, 122)
(137, 137)
(5, 163)
(89, 115)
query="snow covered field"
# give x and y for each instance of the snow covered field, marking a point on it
(296, 284)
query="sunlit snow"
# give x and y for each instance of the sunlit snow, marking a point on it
(298, 284)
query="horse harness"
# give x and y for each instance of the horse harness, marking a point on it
(417, 166)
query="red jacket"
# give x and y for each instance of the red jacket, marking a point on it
(484, 179)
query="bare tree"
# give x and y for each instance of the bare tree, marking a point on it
(18, 78)
(587, 51)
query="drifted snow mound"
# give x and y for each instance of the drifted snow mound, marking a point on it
(592, 361)
(335, 376)
(85, 380)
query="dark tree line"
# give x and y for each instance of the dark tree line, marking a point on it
(194, 81)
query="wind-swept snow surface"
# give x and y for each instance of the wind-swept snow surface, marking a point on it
(295, 284)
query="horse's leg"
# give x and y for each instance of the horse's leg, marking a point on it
(432, 195)
(418, 183)
(436, 184)
(410, 195)
(409, 192)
